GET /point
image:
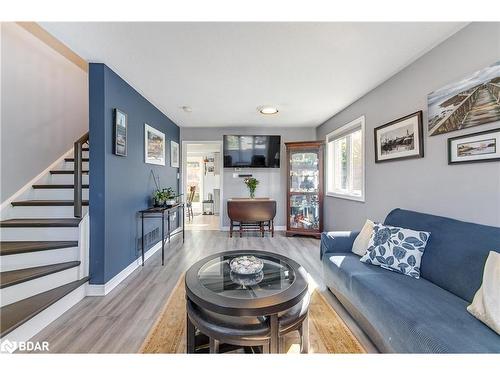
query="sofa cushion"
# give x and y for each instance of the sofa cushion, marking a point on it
(397, 249)
(406, 314)
(456, 252)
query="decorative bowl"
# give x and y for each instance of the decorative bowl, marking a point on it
(246, 265)
(246, 280)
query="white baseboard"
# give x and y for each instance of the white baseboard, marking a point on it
(103, 289)
(277, 228)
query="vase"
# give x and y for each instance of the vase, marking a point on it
(252, 194)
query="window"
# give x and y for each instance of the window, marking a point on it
(345, 168)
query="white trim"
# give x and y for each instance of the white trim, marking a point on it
(103, 289)
(33, 326)
(343, 129)
(221, 175)
(28, 186)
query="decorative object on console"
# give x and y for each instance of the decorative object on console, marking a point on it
(476, 147)
(246, 265)
(396, 249)
(251, 183)
(486, 303)
(362, 241)
(174, 154)
(163, 196)
(400, 139)
(305, 188)
(154, 146)
(120, 133)
(468, 102)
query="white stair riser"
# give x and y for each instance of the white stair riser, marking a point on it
(38, 258)
(53, 194)
(69, 165)
(44, 211)
(67, 179)
(40, 234)
(47, 316)
(39, 285)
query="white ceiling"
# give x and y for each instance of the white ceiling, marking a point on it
(224, 71)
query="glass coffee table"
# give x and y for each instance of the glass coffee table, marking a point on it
(211, 285)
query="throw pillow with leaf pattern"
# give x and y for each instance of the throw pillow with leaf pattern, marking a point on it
(396, 249)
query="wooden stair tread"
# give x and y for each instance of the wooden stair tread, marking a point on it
(73, 159)
(22, 247)
(58, 186)
(48, 202)
(10, 278)
(85, 149)
(20, 312)
(72, 222)
(64, 171)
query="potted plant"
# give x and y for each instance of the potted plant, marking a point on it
(158, 198)
(251, 183)
(169, 196)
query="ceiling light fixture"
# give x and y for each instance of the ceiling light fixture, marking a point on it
(268, 110)
(187, 108)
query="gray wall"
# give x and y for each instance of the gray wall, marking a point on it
(468, 192)
(44, 107)
(272, 181)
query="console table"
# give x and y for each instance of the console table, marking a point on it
(159, 212)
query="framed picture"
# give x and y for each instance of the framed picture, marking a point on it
(174, 154)
(477, 147)
(120, 133)
(400, 139)
(154, 146)
(468, 102)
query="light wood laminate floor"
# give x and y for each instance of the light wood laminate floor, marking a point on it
(120, 321)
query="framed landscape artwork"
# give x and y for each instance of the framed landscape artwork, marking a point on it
(154, 146)
(400, 139)
(174, 154)
(477, 147)
(472, 101)
(120, 133)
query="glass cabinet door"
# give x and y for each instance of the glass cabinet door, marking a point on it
(304, 190)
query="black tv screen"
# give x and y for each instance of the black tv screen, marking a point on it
(252, 151)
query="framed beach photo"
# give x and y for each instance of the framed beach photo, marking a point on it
(471, 101)
(476, 147)
(174, 154)
(120, 133)
(154, 146)
(400, 139)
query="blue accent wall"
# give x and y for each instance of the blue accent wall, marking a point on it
(121, 186)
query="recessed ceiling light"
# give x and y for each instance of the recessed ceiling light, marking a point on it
(268, 110)
(187, 108)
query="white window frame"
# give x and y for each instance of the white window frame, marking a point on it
(353, 125)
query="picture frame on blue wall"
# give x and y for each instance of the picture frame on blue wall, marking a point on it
(174, 154)
(120, 122)
(154, 146)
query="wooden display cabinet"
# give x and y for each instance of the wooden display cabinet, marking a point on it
(304, 188)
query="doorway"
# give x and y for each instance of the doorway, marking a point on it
(202, 184)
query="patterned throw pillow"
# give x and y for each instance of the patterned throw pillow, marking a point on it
(396, 249)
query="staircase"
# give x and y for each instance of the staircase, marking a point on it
(44, 247)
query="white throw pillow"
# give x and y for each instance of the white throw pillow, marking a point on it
(360, 244)
(486, 303)
(396, 249)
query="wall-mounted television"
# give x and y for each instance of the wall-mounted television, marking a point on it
(252, 151)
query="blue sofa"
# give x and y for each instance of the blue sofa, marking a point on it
(401, 314)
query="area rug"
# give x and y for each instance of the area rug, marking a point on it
(327, 332)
